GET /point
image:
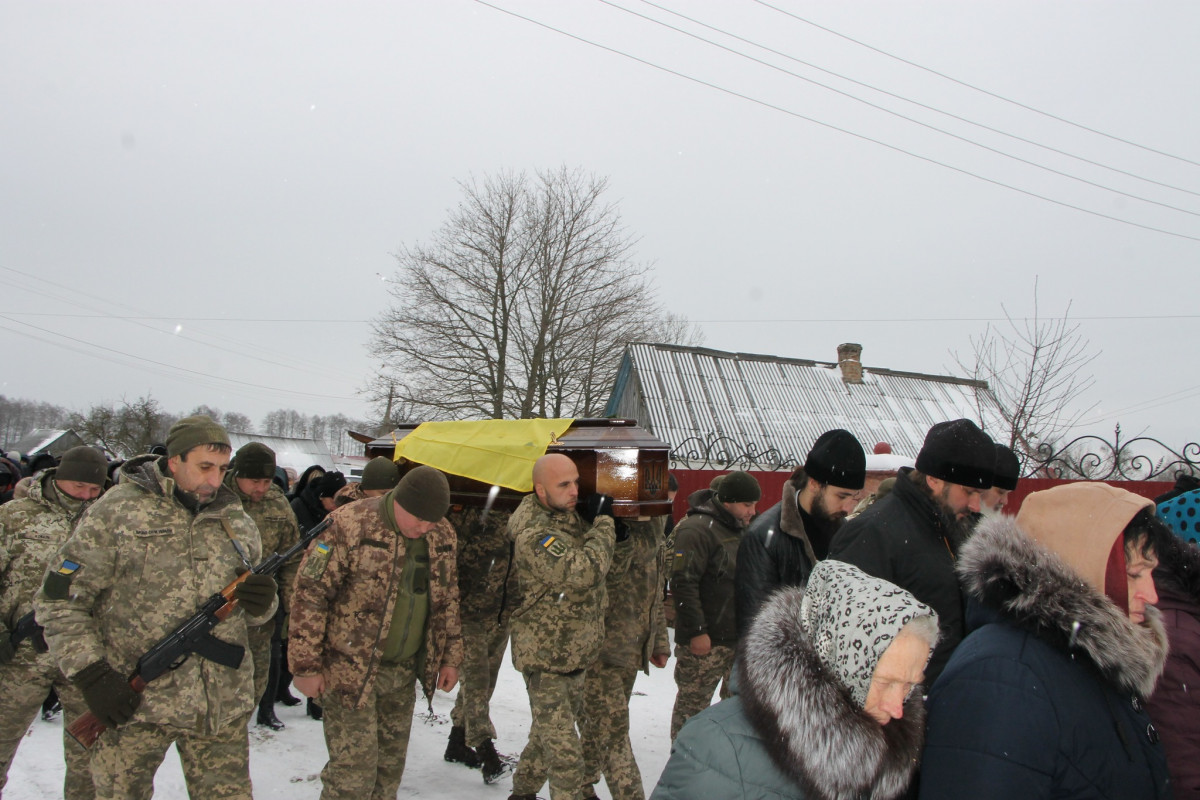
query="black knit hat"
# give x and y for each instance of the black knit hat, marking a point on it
(958, 452)
(254, 460)
(423, 492)
(837, 458)
(192, 432)
(738, 487)
(380, 473)
(328, 484)
(84, 464)
(1007, 468)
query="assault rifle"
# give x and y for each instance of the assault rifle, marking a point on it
(27, 628)
(194, 635)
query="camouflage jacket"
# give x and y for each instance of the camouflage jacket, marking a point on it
(137, 564)
(277, 529)
(346, 592)
(561, 565)
(487, 585)
(31, 531)
(634, 625)
(350, 493)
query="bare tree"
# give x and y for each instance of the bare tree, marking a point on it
(125, 431)
(19, 417)
(520, 305)
(1035, 368)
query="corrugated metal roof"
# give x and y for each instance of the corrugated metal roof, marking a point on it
(760, 402)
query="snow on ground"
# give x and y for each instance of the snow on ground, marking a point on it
(287, 764)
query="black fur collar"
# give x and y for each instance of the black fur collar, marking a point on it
(1035, 590)
(812, 729)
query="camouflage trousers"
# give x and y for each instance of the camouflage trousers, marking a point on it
(215, 765)
(696, 677)
(484, 644)
(368, 746)
(604, 731)
(553, 750)
(26, 681)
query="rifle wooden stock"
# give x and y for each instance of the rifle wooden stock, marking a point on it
(171, 651)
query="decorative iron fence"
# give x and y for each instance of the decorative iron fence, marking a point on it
(1094, 458)
(721, 452)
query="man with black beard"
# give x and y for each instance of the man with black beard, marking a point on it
(786, 541)
(911, 537)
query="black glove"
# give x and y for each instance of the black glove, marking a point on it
(595, 505)
(7, 651)
(255, 593)
(108, 695)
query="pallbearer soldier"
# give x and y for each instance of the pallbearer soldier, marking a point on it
(379, 477)
(487, 595)
(31, 531)
(561, 562)
(251, 476)
(375, 610)
(142, 559)
(635, 636)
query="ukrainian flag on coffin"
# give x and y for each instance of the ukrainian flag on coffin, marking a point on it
(495, 451)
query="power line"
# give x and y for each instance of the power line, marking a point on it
(178, 319)
(833, 127)
(952, 79)
(1038, 318)
(894, 95)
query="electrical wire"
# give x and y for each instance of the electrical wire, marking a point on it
(836, 128)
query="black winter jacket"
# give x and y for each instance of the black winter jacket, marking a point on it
(1045, 698)
(906, 539)
(774, 552)
(308, 509)
(705, 559)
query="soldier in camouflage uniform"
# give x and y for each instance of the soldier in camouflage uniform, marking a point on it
(31, 531)
(702, 583)
(635, 636)
(558, 629)
(375, 610)
(251, 477)
(141, 560)
(379, 477)
(487, 595)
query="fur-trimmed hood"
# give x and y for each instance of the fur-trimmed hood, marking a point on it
(1034, 589)
(812, 728)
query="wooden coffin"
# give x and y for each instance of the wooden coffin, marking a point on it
(614, 456)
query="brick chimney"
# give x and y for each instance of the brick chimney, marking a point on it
(850, 362)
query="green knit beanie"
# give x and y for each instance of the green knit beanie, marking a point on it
(423, 492)
(83, 464)
(254, 461)
(380, 473)
(192, 432)
(738, 487)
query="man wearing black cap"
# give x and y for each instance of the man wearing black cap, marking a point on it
(787, 540)
(142, 559)
(31, 530)
(705, 560)
(251, 477)
(375, 611)
(911, 537)
(1004, 481)
(315, 501)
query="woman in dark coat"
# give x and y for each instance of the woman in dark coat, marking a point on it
(1175, 704)
(825, 706)
(1046, 696)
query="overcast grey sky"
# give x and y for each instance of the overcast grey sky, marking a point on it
(199, 198)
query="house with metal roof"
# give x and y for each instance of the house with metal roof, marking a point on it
(741, 410)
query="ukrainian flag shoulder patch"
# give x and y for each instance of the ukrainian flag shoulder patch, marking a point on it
(553, 545)
(68, 567)
(322, 548)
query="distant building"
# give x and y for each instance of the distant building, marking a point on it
(721, 410)
(45, 441)
(293, 454)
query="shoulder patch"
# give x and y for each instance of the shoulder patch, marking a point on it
(57, 585)
(554, 546)
(68, 567)
(317, 561)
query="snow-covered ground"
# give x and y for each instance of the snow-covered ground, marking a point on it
(287, 764)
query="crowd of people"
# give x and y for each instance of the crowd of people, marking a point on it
(918, 642)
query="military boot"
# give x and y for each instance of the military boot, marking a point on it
(314, 710)
(457, 750)
(493, 766)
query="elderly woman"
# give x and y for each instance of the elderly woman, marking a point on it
(825, 706)
(1045, 697)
